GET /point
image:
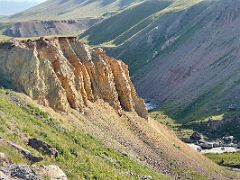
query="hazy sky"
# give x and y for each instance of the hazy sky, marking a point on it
(16, 6)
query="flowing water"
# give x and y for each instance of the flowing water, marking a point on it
(218, 150)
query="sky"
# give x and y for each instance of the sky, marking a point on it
(16, 6)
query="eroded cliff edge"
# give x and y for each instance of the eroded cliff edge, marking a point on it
(64, 73)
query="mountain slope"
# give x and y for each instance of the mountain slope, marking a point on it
(80, 155)
(96, 128)
(42, 28)
(55, 17)
(72, 9)
(186, 58)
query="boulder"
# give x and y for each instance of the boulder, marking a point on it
(196, 136)
(228, 139)
(206, 145)
(232, 108)
(43, 147)
(201, 141)
(18, 172)
(3, 157)
(187, 140)
(216, 145)
(53, 172)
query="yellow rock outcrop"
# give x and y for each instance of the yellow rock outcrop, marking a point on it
(64, 73)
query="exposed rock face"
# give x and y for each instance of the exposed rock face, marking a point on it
(53, 172)
(43, 147)
(63, 73)
(18, 172)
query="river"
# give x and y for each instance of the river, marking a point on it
(218, 150)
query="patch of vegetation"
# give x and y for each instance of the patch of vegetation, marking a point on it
(189, 175)
(179, 130)
(226, 159)
(11, 154)
(80, 155)
(4, 38)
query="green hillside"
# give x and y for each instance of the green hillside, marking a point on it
(134, 25)
(122, 23)
(72, 9)
(80, 155)
(4, 38)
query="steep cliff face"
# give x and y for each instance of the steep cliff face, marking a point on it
(63, 73)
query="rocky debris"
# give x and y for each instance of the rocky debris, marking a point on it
(228, 142)
(43, 147)
(76, 75)
(46, 28)
(187, 140)
(147, 178)
(18, 172)
(232, 107)
(216, 145)
(53, 172)
(228, 139)
(196, 137)
(139, 177)
(3, 157)
(25, 153)
(206, 145)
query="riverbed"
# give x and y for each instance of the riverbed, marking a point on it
(219, 150)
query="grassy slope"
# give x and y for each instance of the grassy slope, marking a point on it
(57, 9)
(4, 38)
(81, 156)
(226, 159)
(114, 27)
(132, 21)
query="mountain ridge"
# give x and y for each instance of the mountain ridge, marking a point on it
(56, 9)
